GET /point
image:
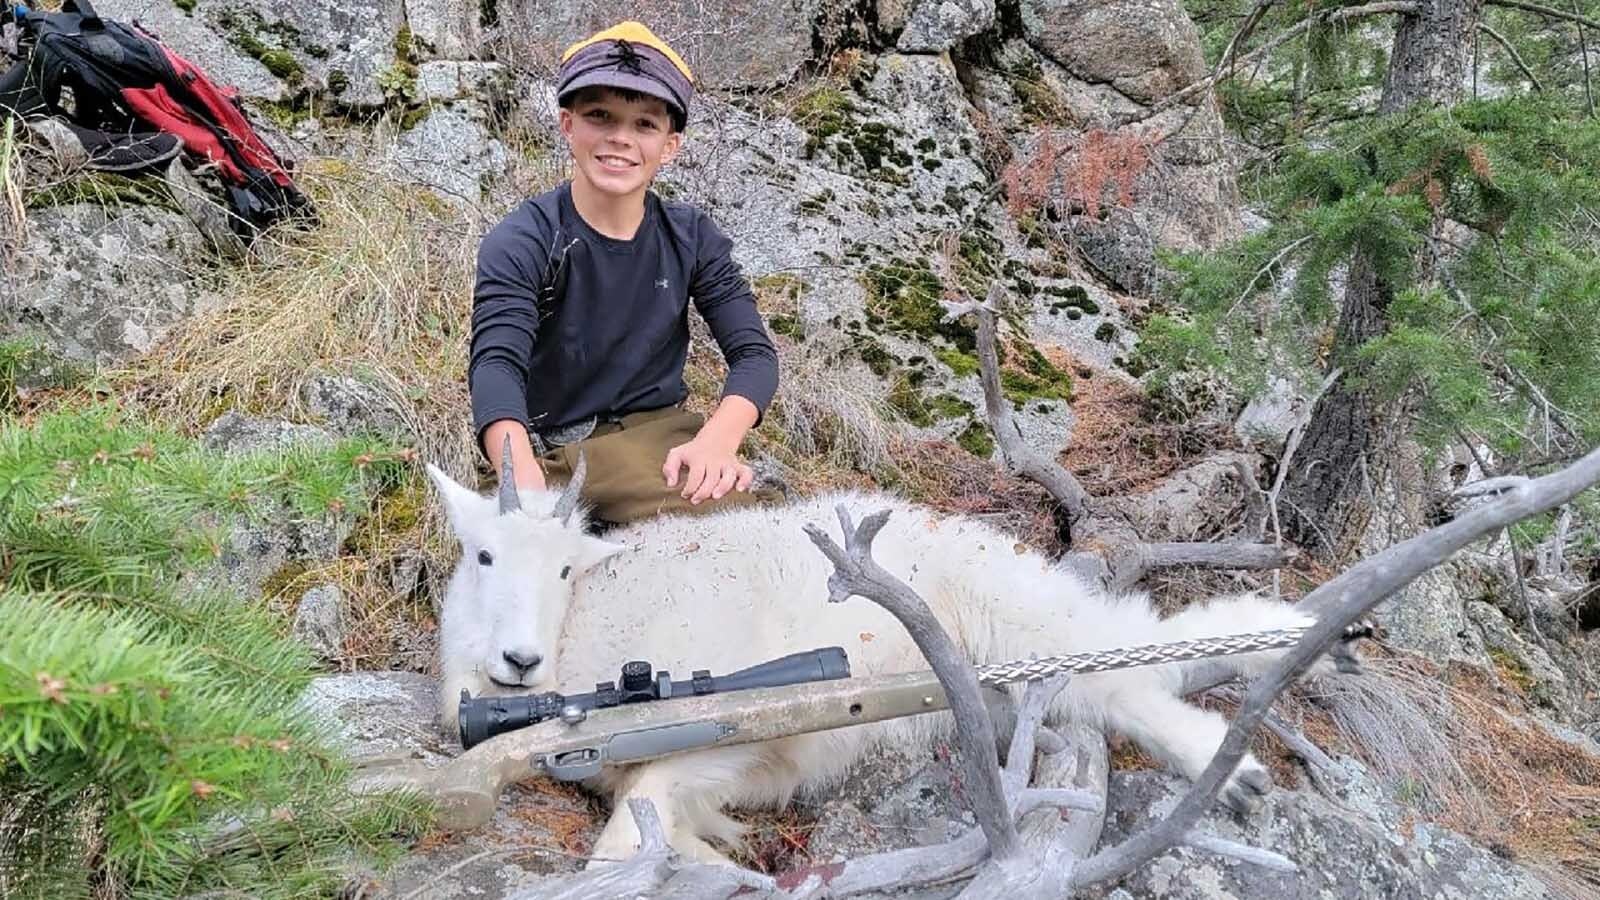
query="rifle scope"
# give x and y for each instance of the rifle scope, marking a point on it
(484, 717)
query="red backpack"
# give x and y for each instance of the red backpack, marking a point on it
(134, 104)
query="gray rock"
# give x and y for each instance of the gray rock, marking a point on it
(391, 716)
(235, 432)
(1269, 417)
(379, 714)
(1429, 617)
(728, 44)
(101, 284)
(452, 153)
(449, 29)
(319, 620)
(1145, 49)
(443, 80)
(194, 37)
(1523, 660)
(937, 25)
(345, 51)
(66, 149)
(268, 540)
(203, 209)
(1339, 854)
(350, 407)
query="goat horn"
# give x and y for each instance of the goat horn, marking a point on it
(569, 495)
(509, 500)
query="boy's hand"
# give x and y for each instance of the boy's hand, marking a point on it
(712, 458)
(713, 471)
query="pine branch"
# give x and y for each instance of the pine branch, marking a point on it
(1512, 51)
(1548, 11)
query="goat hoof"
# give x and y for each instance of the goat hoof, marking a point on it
(1243, 792)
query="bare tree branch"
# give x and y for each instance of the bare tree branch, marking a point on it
(1515, 56)
(1337, 14)
(1020, 458)
(1255, 499)
(1133, 563)
(856, 572)
(1339, 604)
(1545, 11)
(1583, 52)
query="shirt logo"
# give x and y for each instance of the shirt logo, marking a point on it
(661, 284)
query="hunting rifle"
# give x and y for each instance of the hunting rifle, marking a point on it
(577, 746)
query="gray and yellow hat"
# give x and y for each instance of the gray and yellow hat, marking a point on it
(628, 56)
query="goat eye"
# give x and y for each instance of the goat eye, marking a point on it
(565, 570)
(485, 558)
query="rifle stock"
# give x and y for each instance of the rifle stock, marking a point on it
(466, 789)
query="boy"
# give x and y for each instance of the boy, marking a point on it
(580, 309)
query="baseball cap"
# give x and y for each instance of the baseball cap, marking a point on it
(628, 56)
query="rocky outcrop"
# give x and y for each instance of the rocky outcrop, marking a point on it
(729, 44)
(100, 282)
(1340, 853)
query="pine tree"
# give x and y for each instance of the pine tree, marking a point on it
(150, 739)
(1463, 231)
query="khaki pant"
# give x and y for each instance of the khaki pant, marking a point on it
(624, 481)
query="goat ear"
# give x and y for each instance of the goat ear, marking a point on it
(592, 552)
(460, 503)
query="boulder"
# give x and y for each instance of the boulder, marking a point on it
(100, 283)
(319, 620)
(1340, 854)
(448, 29)
(938, 25)
(1145, 49)
(728, 44)
(452, 152)
(234, 432)
(354, 53)
(350, 407)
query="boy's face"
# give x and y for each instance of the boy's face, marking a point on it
(618, 145)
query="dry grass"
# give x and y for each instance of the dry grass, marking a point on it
(1119, 446)
(1449, 748)
(380, 290)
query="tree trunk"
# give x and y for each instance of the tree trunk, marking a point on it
(1351, 458)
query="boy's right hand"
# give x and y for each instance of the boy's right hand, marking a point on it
(525, 466)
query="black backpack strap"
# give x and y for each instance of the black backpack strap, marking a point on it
(85, 9)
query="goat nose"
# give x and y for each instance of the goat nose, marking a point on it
(522, 661)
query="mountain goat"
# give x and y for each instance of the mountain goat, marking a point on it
(536, 603)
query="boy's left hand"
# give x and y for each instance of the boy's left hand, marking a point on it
(713, 470)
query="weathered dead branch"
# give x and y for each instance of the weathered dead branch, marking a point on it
(1339, 604)
(1009, 869)
(1124, 565)
(856, 572)
(1020, 458)
(1139, 560)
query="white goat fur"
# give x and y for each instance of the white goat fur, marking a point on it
(740, 587)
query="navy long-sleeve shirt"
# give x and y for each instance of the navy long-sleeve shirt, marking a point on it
(568, 323)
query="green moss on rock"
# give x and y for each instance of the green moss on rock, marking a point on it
(959, 363)
(788, 326)
(977, 440)
(903, 298)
